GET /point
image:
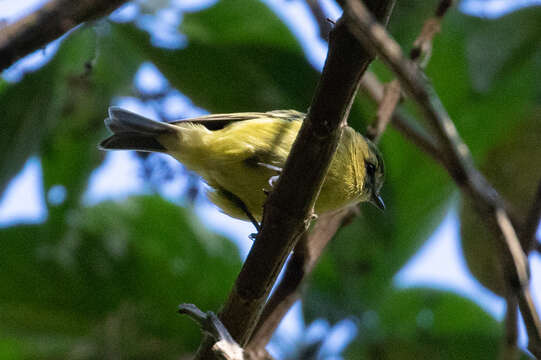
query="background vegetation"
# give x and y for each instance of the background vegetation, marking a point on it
(104, 280)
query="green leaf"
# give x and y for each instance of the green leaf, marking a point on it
(510, 167)
(239, 57)
(426, 324)
(407, 20)
(231, 22)
(496, 48)
(116, 276)
(69, 152)
(32, 107)
(57, 111)
(483, 117)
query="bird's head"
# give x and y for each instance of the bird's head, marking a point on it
(374, 175)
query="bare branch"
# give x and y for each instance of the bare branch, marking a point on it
(517, 262)
(443, 7)
(409, 128)
(532, 221)
(289, 207)
(300, 265)
(309, 249)
(389, 101)
(416, 85)
(47, 24)
(422, 47)
(457, 159)
(420, 54)
(509, 349)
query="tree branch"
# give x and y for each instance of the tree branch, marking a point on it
(457, 159)
(391, 97)
(509, 350)
(300, 265)
(407, 126)
(420, 54)
(47, 24)
(532, 221)
(309, 249)
(289, 207)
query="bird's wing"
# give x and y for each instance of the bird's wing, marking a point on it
(219, 121)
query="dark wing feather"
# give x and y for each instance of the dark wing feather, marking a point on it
(220, 121)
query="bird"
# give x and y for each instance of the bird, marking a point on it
(241, 155)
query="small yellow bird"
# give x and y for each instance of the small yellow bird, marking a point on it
(241, 155)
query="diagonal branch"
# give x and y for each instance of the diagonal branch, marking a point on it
(401, 120)
(305, 256)
(420, 54)
(41, 27)
(457, 159)
(391, 97)
(532, 221)
(509, 345)
(413, 81)
(309, 248)
(289, 207)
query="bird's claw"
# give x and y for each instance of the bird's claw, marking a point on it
(273, 180)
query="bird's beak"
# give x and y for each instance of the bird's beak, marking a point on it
(377, 201)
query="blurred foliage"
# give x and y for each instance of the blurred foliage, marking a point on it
(512, 169)
(426, 324)
(366, 254)
(103, 281)
(241, 64)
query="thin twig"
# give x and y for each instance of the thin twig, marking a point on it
(422, 47)
(289, 206)
(457, 159)
(374, 88)
(41, 27)
(420, 54)
(407, 126)
(532, 221)
(391, 98)
(516, 270)
(509, 349)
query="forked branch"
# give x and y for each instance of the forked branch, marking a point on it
(289, 207)
(456, 159)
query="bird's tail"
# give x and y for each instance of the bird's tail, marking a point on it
(133, 132)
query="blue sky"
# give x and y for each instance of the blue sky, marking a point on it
(437, 264)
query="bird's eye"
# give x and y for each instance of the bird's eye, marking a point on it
(370, 168)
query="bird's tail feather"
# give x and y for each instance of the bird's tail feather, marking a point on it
(133, 132)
